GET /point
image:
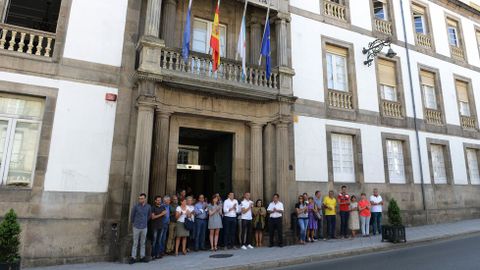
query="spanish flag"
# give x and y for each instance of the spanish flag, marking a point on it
(215, 39)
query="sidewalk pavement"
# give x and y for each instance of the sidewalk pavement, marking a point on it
(262, 258)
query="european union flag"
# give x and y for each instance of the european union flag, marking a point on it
(265, 51)
(186, 34)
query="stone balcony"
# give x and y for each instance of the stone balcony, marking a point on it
(468, 122)
(340, 99)
(433, 117)
(392, 109)
(384, 27)
(457, 53)
(168, 66)
(26, 41)
(334, 10)
(424, 40)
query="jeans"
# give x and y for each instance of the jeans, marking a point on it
(303, 223)
(158, 244)
(246, 232)
(142, 234)
(200, 230)
(319, 232)
(377, 222)
(275, 224)
(331, 223)
(365, 225)
(229, 227)
(344, 223)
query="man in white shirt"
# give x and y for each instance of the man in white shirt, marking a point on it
(275, 209)
(377, 202)
(246, 218)
(230, 209)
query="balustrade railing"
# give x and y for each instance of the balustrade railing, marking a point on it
(339, 99)
(392, 109)
(334, 10)
(200, 65)
(457, 52)
(433, 117)
(424, 40)
(468, 122)
(383, 26)
(25, 40)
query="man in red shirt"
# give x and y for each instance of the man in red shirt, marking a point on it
(344, 203)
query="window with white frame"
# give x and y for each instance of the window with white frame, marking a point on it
(337, 73)
(462, 97)
(472, 163)
(380, 9)
(20, 123)
(395, 161)
(387, 79)
(343, 158)
(202, 30)
(452, 29)
(419, 20)
(438, 164)
(41, 15)
(428, 89)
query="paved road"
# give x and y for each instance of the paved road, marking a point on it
(456, 254)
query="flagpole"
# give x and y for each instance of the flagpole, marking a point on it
(243, 17)
(265, 29)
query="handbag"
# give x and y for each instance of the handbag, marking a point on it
(189, 224)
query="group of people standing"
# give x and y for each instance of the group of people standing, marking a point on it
(180, 223)
(355, 215)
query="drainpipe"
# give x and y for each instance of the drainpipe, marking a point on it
(414, 111)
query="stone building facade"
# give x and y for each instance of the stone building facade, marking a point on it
(114, 111)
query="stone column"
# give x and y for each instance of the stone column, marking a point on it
(282, 162)
(169, 21)
(152, 18)
(143, 151)
(160, 153)
(281, 30)
(255, 40)
(256, 160)
(269, 161)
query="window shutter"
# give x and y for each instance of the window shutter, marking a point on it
(462, 91)
(418, 9)
(336, 50)
(428, 78)
(452, 22)
(473, 170)
(386, 70)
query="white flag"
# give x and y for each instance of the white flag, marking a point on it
(242, 43)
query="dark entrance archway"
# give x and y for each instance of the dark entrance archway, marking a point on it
(204, 164)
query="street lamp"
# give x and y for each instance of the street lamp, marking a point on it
(376, 47)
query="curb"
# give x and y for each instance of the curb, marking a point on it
(341, 254)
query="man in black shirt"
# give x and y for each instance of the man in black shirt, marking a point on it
(158, 214)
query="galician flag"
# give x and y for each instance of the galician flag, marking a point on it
(186, 34)
(242, 42)
(215, 39)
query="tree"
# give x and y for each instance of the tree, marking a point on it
(9, 238)
(394, 217)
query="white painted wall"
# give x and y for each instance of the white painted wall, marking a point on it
(311, 151)
(96, 31)
(309, 5)
(82, 134)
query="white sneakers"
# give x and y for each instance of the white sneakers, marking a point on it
(245, 247)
